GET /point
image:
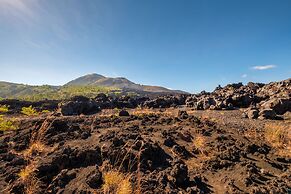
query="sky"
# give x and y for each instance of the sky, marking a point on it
(190, 45)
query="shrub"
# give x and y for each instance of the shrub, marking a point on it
(4, 108)
(6, 125)
(29, 111)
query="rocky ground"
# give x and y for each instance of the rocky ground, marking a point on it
(205, 143)
(160, 151)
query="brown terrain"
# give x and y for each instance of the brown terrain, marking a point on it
(233, 140)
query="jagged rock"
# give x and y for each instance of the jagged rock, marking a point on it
(253, 114)
(275, 96)
(94, 179)
(79, 105)
(267, 114)
(179, 174)
(165, 102)
(123, 113)
(182, 114)
(279, 105)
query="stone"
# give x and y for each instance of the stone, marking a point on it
(123, 113)
(253, 114)
(267, 114)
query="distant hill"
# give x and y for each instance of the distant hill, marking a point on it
(119, 82)
(88, 85)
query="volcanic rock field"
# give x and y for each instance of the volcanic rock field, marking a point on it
(236, 139)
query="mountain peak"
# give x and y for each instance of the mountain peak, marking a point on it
(88, 79)
(118, 82)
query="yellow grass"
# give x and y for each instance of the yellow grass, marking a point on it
(45, 111)
(203, 155)
(146, 111)
(279, 136)
(199, 142)
(34, 149)
(139, 112)
(32, 185)
(27, 172)
(197, 163)
(116, 182)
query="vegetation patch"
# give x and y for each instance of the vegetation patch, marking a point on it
(38, 93)
(6, 125)
(34, 149)
(279, 136)
(116, 182)
(27, 172)
(4, 108)
(29, 111)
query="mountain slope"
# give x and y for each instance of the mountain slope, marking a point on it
(88, 85)
(89, 79)
(119, 82)
(9, 90)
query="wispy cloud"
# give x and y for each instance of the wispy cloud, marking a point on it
(264, 67)
(39, 44)
(244, 75)
(31, 17)
(19, 9)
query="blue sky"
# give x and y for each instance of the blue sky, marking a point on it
(190, 45)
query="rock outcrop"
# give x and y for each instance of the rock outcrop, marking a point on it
(264, 101)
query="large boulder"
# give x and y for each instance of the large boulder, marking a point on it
(182, 114)
(79, 105)
(123, 113)
(179, 174)
(279, 105)
(165, 102)
(267, 114)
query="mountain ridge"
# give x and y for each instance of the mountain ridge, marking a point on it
(88, 83)
(117, 82)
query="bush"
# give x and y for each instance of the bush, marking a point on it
(4, 108)
(6, 125)
(29, 111)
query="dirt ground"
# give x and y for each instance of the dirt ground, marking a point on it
(174, 150)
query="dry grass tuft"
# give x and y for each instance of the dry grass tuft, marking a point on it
(199, 142)
(27, 172)
(32, 185)
(35, 149)
(197, 163)
(206, 117)
(279, 136)
(141, 112)
(116, 182)
(147, 111)
(203, 154)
